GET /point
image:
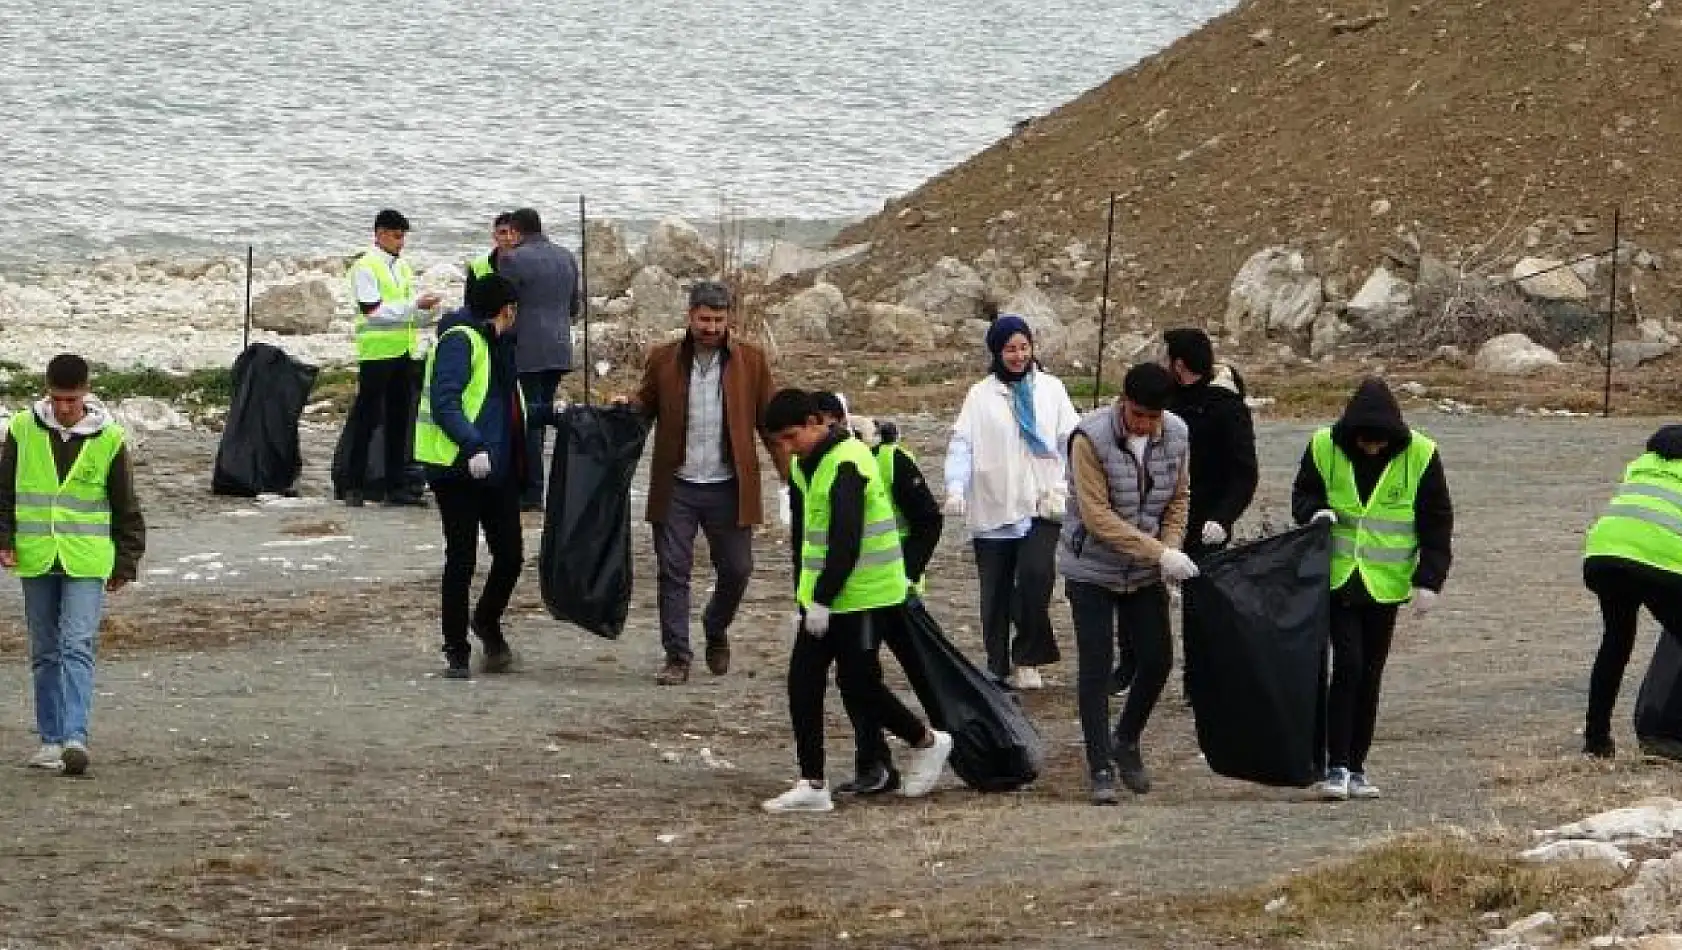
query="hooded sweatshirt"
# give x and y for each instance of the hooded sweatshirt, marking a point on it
(1373, 411)
(1224, 471)
(128, 525)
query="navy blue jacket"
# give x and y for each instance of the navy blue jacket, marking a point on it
(500, 428)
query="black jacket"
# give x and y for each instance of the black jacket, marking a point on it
(846, 519)
(1373, 409)
(915, 504)
(1224, 471)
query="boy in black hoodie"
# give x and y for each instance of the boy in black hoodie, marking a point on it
(1381, 487)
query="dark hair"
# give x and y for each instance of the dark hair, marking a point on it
(389, 220)
(526, 221)
(790, 409)
(1192, 347)
(1148, 386)
(828, 404)
(505, 218)
(710, 294)
(67, 371)
(487, 295)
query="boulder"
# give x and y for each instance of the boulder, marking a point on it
(146, 414)
(1652, 820)
(659, 299)
(677, 248)
(1121, 344)
(1273, 291)
(1329, 330)
(817, 314)
(1513, 354)
(891, 327)
(785, 259)
(1653, 902)
(611, 265)
(1628, 354)
(949, 292)
(1384, 302)
(299, 308)
(1575, 849)
(1543, 278)
(1051, 337)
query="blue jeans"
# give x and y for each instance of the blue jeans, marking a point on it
(63, 615)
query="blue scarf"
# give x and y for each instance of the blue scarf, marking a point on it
(1022, 405)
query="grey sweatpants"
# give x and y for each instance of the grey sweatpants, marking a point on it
(694, 509)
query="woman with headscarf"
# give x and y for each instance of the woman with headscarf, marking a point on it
(1006, 478)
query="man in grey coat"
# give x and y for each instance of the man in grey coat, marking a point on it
(545, 278)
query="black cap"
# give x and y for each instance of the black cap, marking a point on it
(709, 293)
(389, 220)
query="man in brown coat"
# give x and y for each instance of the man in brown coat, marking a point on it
(707, 395)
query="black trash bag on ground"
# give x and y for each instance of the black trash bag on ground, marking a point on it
(1257, 632)
(374, 486)
(1658, 707)
(585, 564)
(259, 452)
(995, 748)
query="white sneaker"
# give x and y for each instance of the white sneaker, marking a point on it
(1027, 677)
(1335, 788)
(1359, 787)
(49, 756)
(74, 758)
(922, 773)
(804, 796)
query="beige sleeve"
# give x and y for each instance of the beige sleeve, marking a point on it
(1092, 488)
(1179, 510)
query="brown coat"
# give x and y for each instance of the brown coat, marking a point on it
(664, 398)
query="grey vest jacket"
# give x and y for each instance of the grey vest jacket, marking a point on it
(1140, 490)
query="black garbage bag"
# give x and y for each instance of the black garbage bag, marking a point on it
(1658, 707)
(585, 564)
(995, 748)
(1257, 631)
(259, 451)
(374, 487)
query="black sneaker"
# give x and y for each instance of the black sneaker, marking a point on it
(1131, 766)
(405, 500)
(877, 781)
(1600, 747)
(353, 498)
(458, 668)
(1103, 788)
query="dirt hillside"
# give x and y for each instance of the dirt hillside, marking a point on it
(1482, 129)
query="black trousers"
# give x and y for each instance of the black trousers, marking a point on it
(1018, 576)
(1361, 635)
(539, 390)
(869, 741)
(384, 394)
(1624, 587)
(467, 506)
(850, 645)
(1102, 619)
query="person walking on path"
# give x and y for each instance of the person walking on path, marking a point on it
(1632, 558)
(503, 240)
(1129, 494)
(471, 438)
(1209, 397)
(1005, 474)
(706, 395)
(71, 529)
(919, 523)
(387, 341)
(1381, 487)
(851, 582)
(545, 280)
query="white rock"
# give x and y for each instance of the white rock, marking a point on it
(1415, 389)
(1051, 337)
(306, 306)
(659, 298)
(1628, 354)
(1547, 279)
(894, 327)
(949, 292)
(1533, 926)
(1328, 332)
(1668, 941)
(1653, 901)
(611, 265)
(677, 248)
(145, 414)
(1384, 301)
(1653, 819)
(787, 260)
(1380, 207)
(1273, 291)
(1513, 354)
(1575, 849)
(817, 314)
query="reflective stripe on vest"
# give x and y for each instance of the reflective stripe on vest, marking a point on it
(1643, 522)
(65, 523)
(1377, 538)
(878, 579)
(432, 444)
(385, 338)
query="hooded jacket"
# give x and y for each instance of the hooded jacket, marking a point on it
(128, 525)
(1373, 410)
(1224, 471)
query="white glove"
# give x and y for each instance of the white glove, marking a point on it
(1213, 534)
(817, 620)
(1177, 567)
(1424, 601)
(955, 507)
(799, 621)
(479, 466)
(1324, 514)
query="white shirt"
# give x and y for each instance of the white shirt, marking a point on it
(368, 290)
(989, 462)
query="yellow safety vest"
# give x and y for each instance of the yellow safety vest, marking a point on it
(381, 338)
(66, 523)
(878, 579)
(479, 266)
(1377, 538)
(1644, 521)
(885, 467)
(432, 444)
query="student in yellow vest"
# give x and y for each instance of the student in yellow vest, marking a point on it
(72, 531)
(1382, 487)
(503, 239)
(387, 338)
(1632, 558)
(851, 581)
(920, 524)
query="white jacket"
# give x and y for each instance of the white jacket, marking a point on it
(990, 464)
